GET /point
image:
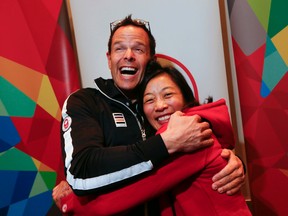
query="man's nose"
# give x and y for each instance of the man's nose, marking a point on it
(129, 55)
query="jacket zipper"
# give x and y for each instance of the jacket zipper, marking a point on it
(142, 129)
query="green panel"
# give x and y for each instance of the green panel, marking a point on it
(278, 17)
(274, 70)
(49, 178)
(14, 159)
(3, 111)
(39, 186)
(262, 11)
(270, 48)
(16, 102)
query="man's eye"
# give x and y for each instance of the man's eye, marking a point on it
(139, 50)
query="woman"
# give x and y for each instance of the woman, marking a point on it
(165, 91)
(188, 191)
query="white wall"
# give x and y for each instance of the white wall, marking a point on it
(187, 30)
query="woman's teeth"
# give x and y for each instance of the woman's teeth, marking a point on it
(164, 118)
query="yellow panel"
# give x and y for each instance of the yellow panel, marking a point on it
(281, 43)
(42, 167)
(21, 77)
(47, 98)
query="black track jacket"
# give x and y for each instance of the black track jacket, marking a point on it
(103, 141)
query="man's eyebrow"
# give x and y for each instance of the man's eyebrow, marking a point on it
(134, 42)
(117, 42)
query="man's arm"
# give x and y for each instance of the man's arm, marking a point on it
(93, 166)
(152, 185)
(98, 155)
(232, 177)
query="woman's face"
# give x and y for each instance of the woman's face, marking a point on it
(162, 97)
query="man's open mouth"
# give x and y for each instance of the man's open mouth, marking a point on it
(128, 70)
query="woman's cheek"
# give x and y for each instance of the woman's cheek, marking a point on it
(148, 111)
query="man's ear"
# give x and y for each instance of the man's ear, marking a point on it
(108, 59)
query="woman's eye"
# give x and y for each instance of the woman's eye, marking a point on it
(148, 101)
(167, 95)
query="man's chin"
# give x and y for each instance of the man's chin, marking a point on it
(128, 86)
(128, 90)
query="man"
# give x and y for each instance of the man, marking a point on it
(104, 141)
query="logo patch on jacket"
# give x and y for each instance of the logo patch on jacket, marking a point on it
(119, 120)
(66, 123)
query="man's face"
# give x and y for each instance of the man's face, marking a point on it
(129, 55)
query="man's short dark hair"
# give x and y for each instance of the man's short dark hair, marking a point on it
(134, 22)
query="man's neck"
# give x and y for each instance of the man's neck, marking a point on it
(128, 94)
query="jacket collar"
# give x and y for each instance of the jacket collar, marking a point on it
(107, 86)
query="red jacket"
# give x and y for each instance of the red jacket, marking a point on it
(187, 178)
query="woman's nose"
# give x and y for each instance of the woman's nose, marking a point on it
(160, 105)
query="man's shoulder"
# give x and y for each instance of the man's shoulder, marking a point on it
(100, 83)
(83, 99)
(84, 91)
(102, 87)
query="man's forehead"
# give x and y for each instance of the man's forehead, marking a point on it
(130, 32)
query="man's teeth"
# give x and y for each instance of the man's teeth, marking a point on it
(164, 118)
(128, 70)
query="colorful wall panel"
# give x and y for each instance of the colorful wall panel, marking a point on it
(37, 72)
(260, 43)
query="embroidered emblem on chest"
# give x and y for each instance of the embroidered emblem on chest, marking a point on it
(119, 120)
(66, 123)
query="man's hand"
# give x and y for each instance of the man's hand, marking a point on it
(60, 191)
(231, 178)
(186, 133)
